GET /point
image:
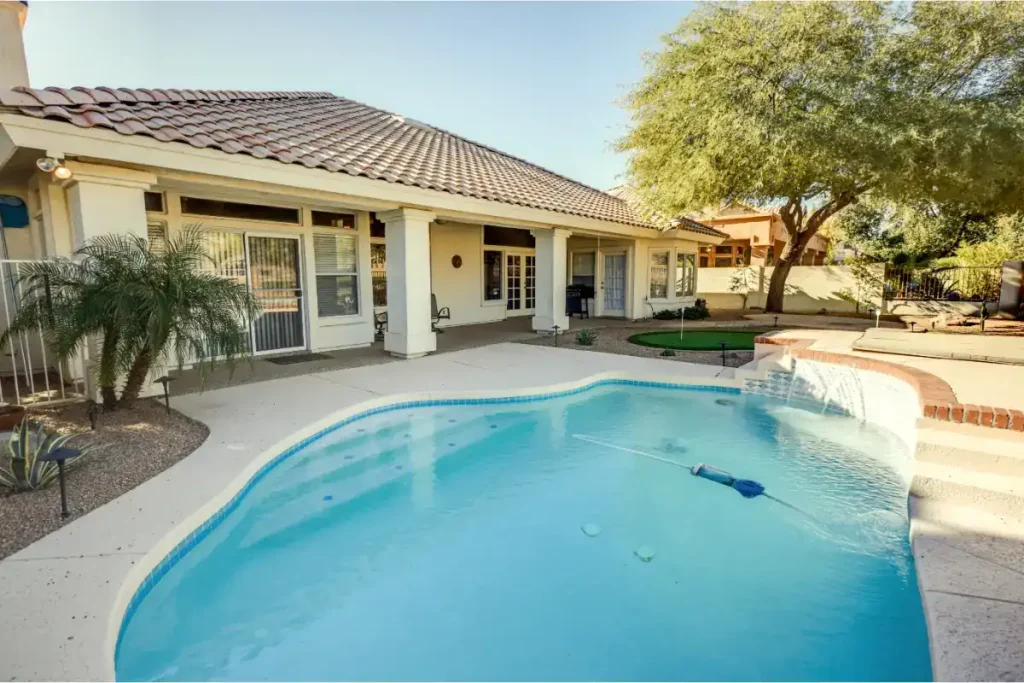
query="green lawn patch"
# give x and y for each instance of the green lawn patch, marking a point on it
(736, 339)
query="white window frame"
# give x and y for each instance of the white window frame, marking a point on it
(669, 283)
(673, 263)
(572, 260)
(339, 232)
(677, 275)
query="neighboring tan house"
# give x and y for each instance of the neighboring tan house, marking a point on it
(756, 238)
(330, 210)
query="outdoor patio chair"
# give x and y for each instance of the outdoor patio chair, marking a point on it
(380, 321)
(437, 315)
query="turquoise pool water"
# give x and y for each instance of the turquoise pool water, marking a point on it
(448, 543)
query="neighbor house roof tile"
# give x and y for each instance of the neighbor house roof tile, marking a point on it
(320, 130)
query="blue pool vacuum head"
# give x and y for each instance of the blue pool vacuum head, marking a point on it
(746, 487)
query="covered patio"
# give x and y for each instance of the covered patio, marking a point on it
(265, 368)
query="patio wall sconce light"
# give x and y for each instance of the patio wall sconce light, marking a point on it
(59, 456)
(165, 380)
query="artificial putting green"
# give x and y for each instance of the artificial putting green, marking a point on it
(705, 339)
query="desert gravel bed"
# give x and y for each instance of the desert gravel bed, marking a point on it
(136, 444)
(616, 340)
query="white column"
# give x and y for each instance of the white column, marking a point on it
(551, 270)
(407, 238)
(103, 199)
(13, 68)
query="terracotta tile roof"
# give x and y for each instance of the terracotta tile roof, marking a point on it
(320, 130)
(632, 197)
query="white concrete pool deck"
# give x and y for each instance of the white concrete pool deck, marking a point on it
(58, 596)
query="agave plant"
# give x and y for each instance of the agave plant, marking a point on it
(24, 471)
(586, 337)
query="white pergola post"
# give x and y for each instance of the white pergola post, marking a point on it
(551, 274)
(407, 238)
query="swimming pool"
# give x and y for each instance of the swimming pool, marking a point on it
(488, 542)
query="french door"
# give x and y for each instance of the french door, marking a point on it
(614, 285)
(270, 265)
(520, 283)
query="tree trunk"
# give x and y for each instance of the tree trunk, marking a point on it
(109, 397)
(777, 285)
(107, 372)
(800, 232)
(137, 376)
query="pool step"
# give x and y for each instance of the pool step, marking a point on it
(329, 480)
(971, 466)
(977, 449)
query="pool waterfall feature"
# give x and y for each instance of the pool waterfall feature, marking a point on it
(801, 387)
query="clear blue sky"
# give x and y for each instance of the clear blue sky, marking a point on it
(538, 80)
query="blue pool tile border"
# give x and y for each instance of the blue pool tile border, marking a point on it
(197, 535)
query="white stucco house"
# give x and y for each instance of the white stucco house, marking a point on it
(329, 209)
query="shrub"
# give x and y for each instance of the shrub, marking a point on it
(586, 337)
(698, 311)
(668, 314)
(24, 471)
(668, 352)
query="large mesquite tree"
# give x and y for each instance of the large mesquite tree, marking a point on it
(809, 106)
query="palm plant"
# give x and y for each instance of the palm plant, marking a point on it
(24, 470)
(141, 307)
(187, 314)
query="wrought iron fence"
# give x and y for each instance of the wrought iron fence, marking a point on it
(955, 283)
(29, 371)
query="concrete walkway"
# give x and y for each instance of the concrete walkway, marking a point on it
(968, 347)
(57, 596)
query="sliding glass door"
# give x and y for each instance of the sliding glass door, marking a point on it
(271, 267)
(276, 282)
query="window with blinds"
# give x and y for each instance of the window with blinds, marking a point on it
(583, 270)
(156, 235)
(337, 275)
